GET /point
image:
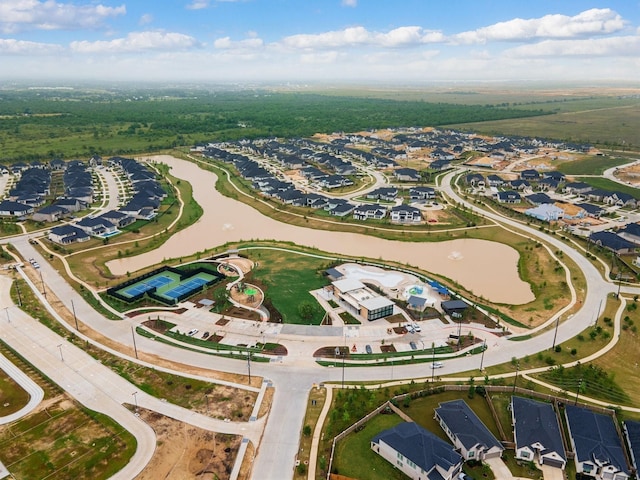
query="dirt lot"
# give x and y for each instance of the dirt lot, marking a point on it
(187, 452)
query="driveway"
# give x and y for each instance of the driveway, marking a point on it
(499, 469)
(552, 473)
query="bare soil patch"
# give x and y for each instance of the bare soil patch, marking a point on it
(187, 452)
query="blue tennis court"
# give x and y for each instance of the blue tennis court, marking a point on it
(146, 285)
(189, 286)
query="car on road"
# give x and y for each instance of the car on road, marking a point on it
(205, 335)
(368, 349)
(192, 332)
(413, 345)
(417, 327)
(464, 476)
(437, 365)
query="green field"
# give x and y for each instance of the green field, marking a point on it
(606, 184)
(43, 125)
(591, 165)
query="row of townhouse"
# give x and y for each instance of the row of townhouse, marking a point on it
(597, 446)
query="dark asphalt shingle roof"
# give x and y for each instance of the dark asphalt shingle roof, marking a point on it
(466, 425)
(536, 422)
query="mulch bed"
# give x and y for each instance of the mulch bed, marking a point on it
(387, 348)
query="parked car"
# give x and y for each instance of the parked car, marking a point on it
(368, 349)
(437, 365)
(205, 335)
(417, 327)
(192, 332)
(413, 345)
(410, 328)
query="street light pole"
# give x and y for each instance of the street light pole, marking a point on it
(135, 348)
(433, 360)
(6, 309)
(135, 400)
(515, 380)
(73, 309)
(578, 392)
(249, 366)
(60, 348)
(44, 291)
(555, 333)
(344, 355)
(484, 347)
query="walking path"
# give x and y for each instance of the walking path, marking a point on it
(36, 394)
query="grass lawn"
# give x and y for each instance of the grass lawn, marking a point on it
(12, 396)
(317, 397)
(606, 184)
(354, 457)
(591, 165)
(421, 411)
(64, 439)
(287, 279)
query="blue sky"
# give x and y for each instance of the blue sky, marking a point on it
(333, 41)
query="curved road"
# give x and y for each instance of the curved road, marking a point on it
(296, 374)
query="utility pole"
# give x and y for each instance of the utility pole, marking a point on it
(433, 360)
(135, 348)
(578, 392)
(555, 334)
(515, 380)
(249, 366)
(44, 291)
(344, 354)
(484, 347)
(73, 309)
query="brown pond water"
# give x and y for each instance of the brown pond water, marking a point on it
(486, 268)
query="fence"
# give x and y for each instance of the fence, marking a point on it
(555, 400)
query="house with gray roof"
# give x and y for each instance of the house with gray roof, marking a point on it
(67, 234)
(14, 209)
(632, 435)
(469, 435)
(537, 433)
(417, 452)
(405, 214)
(598, 448)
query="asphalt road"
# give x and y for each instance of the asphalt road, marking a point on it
(294, 376)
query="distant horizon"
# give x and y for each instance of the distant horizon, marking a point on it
(406, 42)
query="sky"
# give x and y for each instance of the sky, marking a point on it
(320, 41)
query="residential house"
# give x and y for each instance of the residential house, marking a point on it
(576, 188)
(548, 184)
(96, 226)
(51, 213)
(9, 208)
(388, 194)
(632, 435)
(509, 196)
(519, 184)
(613, 242)
(631, 232)
(417, 453)
(422, 193)
(537, 433)
(405, 214)
(368, 211)
(440, 164)
(475, 179)
(342, 210)
(67, 234)
(73, 205)
(545, 212)
(538, 198)
(469, 435)
(620, 199)
(407, 175)
(598, 448)
(530, 174)
(592, 210)
(571, 211)
(494, 180)
(119, 219)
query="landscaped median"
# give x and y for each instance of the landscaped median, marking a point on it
(260, 353)
(340, 356)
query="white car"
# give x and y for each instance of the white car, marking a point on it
(192, 332)
(410, 329)
(417, 327)
(437, 365)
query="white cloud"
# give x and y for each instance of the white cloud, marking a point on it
(597, 21)
(623, 46)
(10, 46)
(350, 3)
(198, 5)
(18, 15)
(226, 43)
(145, 19)
(138, 42)
(360, 36)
